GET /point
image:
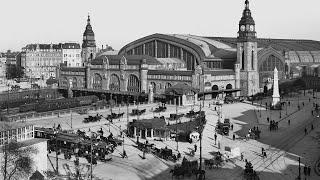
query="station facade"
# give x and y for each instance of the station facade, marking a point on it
(241, 65)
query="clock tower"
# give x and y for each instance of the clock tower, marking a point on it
(246, 67)
(88, 45)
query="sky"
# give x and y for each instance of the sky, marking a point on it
(118, 22)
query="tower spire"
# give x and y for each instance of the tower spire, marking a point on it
(247, 4)
(88, 20)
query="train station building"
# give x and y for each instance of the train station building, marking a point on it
(239, 66)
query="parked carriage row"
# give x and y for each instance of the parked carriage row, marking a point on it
(57, 104)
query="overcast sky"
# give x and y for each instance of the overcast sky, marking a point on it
(118, 22)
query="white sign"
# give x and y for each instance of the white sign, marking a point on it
(194, 136)
(235, 152)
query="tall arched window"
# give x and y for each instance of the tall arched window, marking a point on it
(74, 82)
(114, 84)
(97, 81)
(154, 87)
(168, 85)
(270, 63)
(242, 60)
(229, 86)
(133, 84)
(65, 82)
(215, 87)
(252, 59)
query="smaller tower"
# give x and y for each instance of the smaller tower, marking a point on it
(89, 44)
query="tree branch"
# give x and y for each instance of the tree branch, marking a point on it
(12, 172)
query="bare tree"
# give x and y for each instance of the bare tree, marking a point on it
(17, 160)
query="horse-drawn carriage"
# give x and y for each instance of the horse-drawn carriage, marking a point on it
(249, 173)
(215, 162)
(254, 133)
(222, 128)
(187, 168)
(137, 112)
(175, 116)
(82, 111)
(160, 109)
(145, 147)
(112, 116)
(92, 118)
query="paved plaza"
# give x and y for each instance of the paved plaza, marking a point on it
(283, 146)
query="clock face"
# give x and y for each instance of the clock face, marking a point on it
(251, 28)
(242, 28)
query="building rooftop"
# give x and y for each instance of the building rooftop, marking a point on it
(170, 72)
(180, 89)
(130, 59)
(12, 125)
(70, 46)
(154, 123)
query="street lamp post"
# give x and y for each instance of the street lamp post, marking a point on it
(91, 153)
(8, 98)
(177, 123)
(56, 147)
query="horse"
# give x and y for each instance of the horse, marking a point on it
(200, 174)
(177, 172)
(208, 163)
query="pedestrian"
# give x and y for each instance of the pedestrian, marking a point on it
(262, 151)
(195, 148)
(241, 156)
(289, 103)
(265, 154)
(231, 126)
(309, 170)
(311, 126)
(289, 122)
(312, 112)
(305, 131)
(309, 99)
(305, 169)
(268, 119)
(124, 154)
(233, 137)
(215, 138)
(302, 103)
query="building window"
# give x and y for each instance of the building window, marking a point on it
(242, 60)
(252, 60)
(97, 81)
(133, 84)
(114, 83)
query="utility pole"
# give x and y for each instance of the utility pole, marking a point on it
(127, 111)
(70, 117)
(57, 166)
(177, 123)
(91, 160)
(299, 176)
(8, 99)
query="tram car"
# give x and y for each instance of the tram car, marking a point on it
(73, 144)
